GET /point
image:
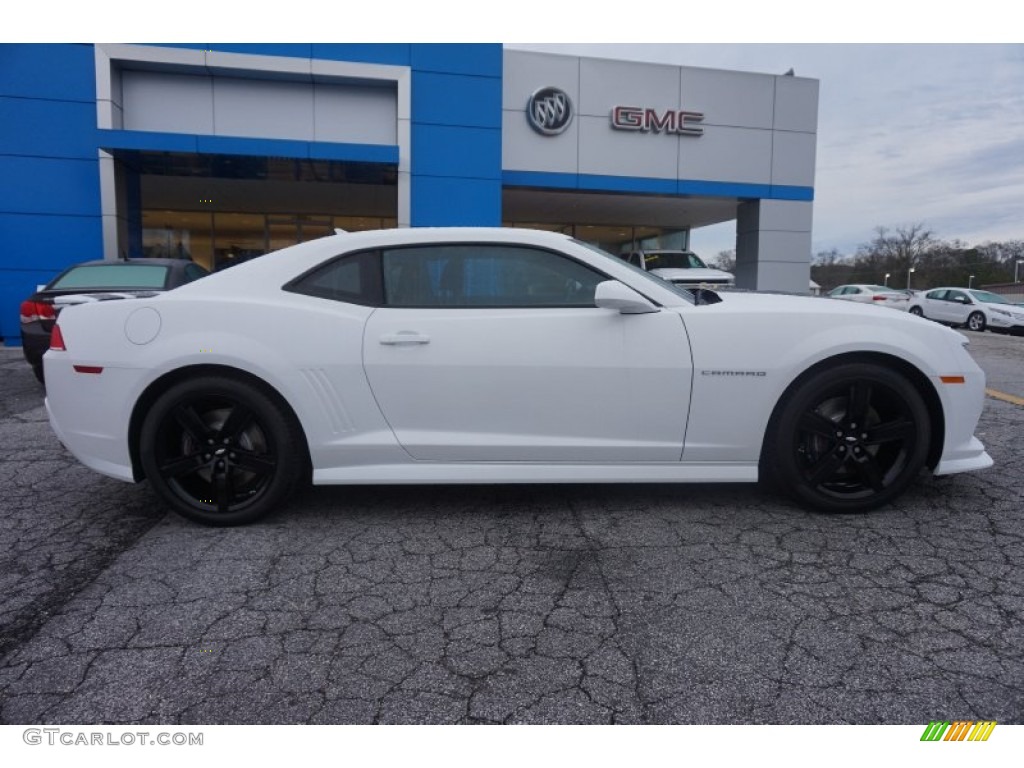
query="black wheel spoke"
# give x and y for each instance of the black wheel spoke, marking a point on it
(236, 423)
(189, 421)
(816, 424)
(860, 403)
(222, 487)
(869, 471)
(890, 432)
(825, 467)
(184, 465)
(261, 464)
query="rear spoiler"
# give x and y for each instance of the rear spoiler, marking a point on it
(88, 298)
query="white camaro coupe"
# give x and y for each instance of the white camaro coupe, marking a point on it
(499, 356)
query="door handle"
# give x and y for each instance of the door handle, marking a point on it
(404, 338)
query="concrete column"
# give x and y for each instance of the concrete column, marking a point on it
(773, 245)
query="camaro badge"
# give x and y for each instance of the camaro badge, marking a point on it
(734, 373)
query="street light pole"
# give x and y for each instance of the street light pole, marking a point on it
(909, 273)
(886, 282)
(970, 281)
(1016, 266)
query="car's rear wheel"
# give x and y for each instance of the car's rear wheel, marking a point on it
(916, 311)
(220, 451)
(976, 321)
(849, 438)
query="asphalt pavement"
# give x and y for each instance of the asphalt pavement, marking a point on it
(511, 604)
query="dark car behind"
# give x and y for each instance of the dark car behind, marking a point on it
(135, 277)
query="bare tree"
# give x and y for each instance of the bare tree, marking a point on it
(725, 260)
(897, 251)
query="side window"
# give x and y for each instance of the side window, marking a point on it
(634, 259)
(353, 279)
(485, 276)
(958, 296)
(936, 295)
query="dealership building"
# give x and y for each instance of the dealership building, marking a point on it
(220, 153)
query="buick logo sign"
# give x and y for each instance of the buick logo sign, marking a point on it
(549, 111)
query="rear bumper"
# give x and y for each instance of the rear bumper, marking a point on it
(88, 418)
(35, 340)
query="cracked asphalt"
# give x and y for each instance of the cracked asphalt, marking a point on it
(509, 604)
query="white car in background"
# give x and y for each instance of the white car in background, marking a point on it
(969, 307)
(499, 356)
(877, 295)
(682, 268)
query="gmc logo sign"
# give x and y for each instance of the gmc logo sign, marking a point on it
(649, 120)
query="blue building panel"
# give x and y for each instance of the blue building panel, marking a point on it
(65, 72)
(456, 100)
(481, 59)
(46, 128)
(456, 202)
(367, 53)
(35, 250)
(49, 186)
(454, 151)
(50, 243)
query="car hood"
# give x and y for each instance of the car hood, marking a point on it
(695, 275)
(748, 302)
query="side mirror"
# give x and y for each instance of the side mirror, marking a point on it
(611, 294)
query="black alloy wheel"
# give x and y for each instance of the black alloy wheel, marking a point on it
(850, 438)
(976, 321)
(220, 451)
(916, 311)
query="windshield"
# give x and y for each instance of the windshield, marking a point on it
(113, 276)
(989, 297)
(674, 260)
(663, 284)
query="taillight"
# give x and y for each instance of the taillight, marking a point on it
(879, 298)
(36, 310)
(57, 340)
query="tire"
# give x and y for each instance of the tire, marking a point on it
(220, 451)
(976, 321)
(820, 452)
(916, 311)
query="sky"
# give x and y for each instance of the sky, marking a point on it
(920, 133)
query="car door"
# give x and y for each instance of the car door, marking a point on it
(958, 307)
(493, 352)
(934, 306)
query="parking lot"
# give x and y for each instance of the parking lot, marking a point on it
(531, 604)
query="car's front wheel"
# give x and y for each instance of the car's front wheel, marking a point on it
(220, 451)
(849, 438)
(976, 321)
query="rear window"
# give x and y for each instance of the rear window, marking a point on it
(114, 276)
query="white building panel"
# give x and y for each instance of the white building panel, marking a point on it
(793, 158)
(742, 155)
(605, 84)
(738, 99)
(604, 151)
(171, 103)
